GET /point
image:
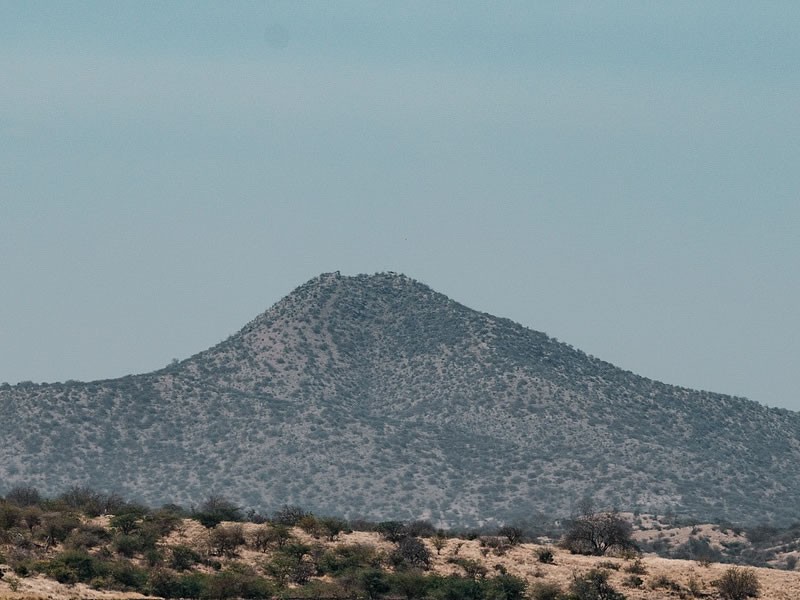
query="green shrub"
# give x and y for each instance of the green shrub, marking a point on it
(593, 585)
(545, 555)
(546, 591)
(224, 540)
(183, 557)
(456, 588)
(126, 522)
(506, 587)
(738, 584)
(347, 557)
(411, 553)
(72, 566)
(633, 581)
(86, 536)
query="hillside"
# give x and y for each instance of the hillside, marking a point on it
(375, 396)
(58, 549)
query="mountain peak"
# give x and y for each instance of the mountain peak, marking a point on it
(374, 395)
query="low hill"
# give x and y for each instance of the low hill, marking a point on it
(375, 396)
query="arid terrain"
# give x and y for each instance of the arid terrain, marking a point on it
(376, 397)
(542, 564)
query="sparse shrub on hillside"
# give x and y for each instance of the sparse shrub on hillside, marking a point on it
(593, 585)
(289, 515)
(411, 552)
(545, 555)
(420, 528)
(90, 502)
(633, 581)
(24, 496)
(216, 509)
(472, 568)
(10, 516)
(546, 591)
(236, 583)
(374, 583)
(439, 542)
(224, 540)
(261, 538)
(392, 531)
(331, 527)
(56, 526)
(125, 523)
(310, 525)
(664, 582)
(183, 558)
(738, 584)
(410, 584)
(512, 533)
(506, 587)
(348, 557)
(87, 536)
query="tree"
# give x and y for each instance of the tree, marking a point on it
(24, 496)
(598, 533)
(512, 533)
(331, 527)
(392, 531)
(411, 552)
(224, 540)
(126, 522)
(216, 509)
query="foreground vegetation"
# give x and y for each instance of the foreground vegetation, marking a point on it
(96, 542)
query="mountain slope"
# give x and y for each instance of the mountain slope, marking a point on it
(376, 396)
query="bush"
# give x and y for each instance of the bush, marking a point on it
(738, 584)
(86, 536)
(57, 526)
(411, 552)
(24, 496)
(512, 533)
(72, 566)
(331, 527)
(225, 539)
(10, 515)
(633, 581)
(267, 536)
(214, 511)
(350, 557)
(392, 531)
(506, 587)
(289, 515)
(125, 523)
(593, 585)
(409, 584)
(546, 591)
(545, 555)
(420, 528)
(636, 567)
(183, 558)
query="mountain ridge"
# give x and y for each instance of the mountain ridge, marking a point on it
(374, 395)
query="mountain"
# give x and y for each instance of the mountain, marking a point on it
(375, 396)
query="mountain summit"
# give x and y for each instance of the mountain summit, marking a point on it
(376, 396)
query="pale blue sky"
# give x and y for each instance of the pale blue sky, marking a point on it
(621, 175)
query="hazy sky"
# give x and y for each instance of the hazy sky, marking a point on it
(621, 175)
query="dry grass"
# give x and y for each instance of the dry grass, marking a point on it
(521, 560)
